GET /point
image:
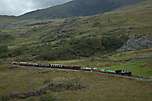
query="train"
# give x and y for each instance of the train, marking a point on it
(59, 66)
(74, 67)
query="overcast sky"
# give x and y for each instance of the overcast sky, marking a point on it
(18, 7)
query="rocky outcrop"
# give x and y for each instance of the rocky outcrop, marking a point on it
(136, 43)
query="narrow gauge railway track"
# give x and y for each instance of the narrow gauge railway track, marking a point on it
(117, 73)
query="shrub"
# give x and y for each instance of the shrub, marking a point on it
(113, 42)
(86, 46)
(3, 51)
(6, 38)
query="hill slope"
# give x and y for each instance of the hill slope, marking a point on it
(78, 8)
(101, 38)
(121, 30)
(5, 21)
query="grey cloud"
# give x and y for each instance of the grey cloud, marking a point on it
(18, 7)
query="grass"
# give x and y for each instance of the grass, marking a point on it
(99, 87)
(138, 62)
(78, 37)
(137, 67)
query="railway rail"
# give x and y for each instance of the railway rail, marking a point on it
(116, 73)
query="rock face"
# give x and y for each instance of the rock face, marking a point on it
(137, 42)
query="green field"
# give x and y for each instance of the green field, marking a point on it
(138, 62)
(98, 86)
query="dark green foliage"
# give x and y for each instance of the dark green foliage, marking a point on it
(58, 53)
(83, 47)
(86, 46)
(113, 42)
(3, 51)
(5, 38)
(18, 51)
(74, 48)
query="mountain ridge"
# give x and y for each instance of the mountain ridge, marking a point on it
(77, 8)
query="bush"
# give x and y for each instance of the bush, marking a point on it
(86, 47)
(74, 48)
(6, 38)
(113, 42)
(3, 51)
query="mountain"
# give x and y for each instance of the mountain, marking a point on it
(6, 20)
(121, 30)
(78, 8)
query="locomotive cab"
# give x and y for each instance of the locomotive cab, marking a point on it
(123, 72)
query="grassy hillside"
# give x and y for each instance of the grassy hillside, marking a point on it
(78, 8)
(99, 41)
(84, 36)
(6, 19)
